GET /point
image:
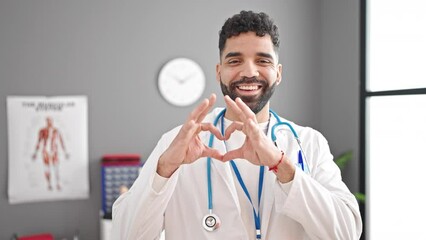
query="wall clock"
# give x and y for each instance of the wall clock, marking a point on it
(181, 81)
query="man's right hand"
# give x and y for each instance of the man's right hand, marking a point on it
(187, 146)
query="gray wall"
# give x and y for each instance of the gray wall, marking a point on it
(340, 78)
(112, 51)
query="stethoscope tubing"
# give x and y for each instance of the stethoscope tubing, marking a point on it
(209, 165)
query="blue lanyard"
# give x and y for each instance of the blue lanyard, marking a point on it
(243, 186)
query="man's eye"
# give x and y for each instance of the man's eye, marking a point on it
(233, 61)
(264, 61)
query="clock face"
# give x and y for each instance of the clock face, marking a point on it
(181, 81)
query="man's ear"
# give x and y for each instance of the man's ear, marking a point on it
(279, 73)
(218, 72)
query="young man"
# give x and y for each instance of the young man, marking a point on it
(220, 176)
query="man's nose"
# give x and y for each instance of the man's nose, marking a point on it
(249, 70)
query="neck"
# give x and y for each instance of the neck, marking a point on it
(262, 116)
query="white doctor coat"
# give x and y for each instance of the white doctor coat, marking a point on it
(318, 205)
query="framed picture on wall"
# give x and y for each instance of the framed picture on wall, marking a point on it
(48, 148)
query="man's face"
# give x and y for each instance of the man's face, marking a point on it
(249, 69)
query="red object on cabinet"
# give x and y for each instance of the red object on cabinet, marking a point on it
(42, 236)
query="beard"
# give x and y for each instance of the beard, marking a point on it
(255, 103)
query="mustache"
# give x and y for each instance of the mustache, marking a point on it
(246, 80)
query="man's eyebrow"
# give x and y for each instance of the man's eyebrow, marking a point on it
(233, 54)
(238, 54)
(267, 55)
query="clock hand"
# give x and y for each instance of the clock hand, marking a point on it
(177, 78)
(181, 80)
(184, 79)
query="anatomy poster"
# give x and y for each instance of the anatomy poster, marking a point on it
(48, 148)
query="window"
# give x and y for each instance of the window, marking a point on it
(393, 118)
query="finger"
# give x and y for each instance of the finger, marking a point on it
(248, 113)
(232, 128)
(194, 115)
(234, 154)
(234, 107)
(190, 127)
(187, 131)
(213, 153)
(252, 129)
(241, 109)
(214, 130)
(203, 114)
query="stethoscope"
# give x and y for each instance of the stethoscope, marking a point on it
(211, 221)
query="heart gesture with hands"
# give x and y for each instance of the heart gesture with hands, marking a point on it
(257, 147)
(187, 146)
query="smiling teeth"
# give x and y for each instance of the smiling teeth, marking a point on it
(248, 88)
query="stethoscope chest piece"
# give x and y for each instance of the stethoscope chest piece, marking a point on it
(211, 222)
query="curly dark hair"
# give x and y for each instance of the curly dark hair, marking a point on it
(248, 21)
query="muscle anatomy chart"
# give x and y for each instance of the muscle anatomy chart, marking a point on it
(48, 148)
